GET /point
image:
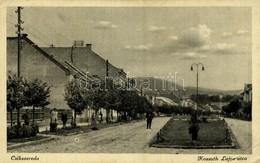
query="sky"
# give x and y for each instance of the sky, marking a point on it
(153, 41)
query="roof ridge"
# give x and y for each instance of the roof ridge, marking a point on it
(67, 71)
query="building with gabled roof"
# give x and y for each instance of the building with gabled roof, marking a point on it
(247, 93)
(53, 66)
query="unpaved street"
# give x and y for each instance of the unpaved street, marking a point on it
(133, 138)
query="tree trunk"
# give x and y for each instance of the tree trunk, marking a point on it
(117, 115)
(107, 115)
(111, 113)
(11, 116)
(33, 114)
(18, 117)
(96, 116)
(75, 116)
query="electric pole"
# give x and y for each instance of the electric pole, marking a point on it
(107, 69)
(19, 29)
(108, 88)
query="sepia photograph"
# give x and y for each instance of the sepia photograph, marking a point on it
(172, 80)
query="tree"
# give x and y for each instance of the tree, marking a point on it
(200, 99)
(15, 95)
(214, 98)
(97, 100)
(232, 107)
(36, 94)
(111, 100)
(77, 98)
(229, 98)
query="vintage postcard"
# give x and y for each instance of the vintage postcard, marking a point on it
(121, 81)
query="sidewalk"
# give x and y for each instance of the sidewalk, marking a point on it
(47, 127)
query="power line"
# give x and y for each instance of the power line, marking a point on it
(35, 30)
(31, 33)
(50, 28)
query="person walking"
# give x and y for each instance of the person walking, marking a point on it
(149, 118)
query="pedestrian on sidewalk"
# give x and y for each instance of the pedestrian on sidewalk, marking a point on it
(149, 118)
(64, 118)
(26, 118)
(101, 117)
(54, 119)
(92, 118)
(54, 116)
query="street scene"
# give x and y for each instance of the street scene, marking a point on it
(158, 80)
(131, 138)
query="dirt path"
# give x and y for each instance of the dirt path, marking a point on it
(127, 138)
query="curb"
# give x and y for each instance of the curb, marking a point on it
(234, 143)
(232, 136)
(192, 147)
(30, 143)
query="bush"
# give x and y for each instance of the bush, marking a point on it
(22, 131)
(27, 131)
(11, 132)
(34, 129)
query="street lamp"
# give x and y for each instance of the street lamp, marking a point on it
(202, 69)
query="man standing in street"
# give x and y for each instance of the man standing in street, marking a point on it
(149, 118)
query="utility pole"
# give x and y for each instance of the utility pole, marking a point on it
(107, 69)
(19, 29)
(108, 88)
(197, 91)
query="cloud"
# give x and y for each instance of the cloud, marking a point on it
(105, 25)
(139, 48)
(242, 32)
(156, 29)
(204, 49)
(192, 56)
(233, 34)
(189, 56)
(224, 48)
(227, 34)
(173, 38)
(190, 39)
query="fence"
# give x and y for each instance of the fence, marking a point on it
(40, 115)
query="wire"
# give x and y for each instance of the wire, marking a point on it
(49, 27)
(31, 32)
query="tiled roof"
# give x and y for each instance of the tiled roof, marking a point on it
(50, 57)
(86, 60)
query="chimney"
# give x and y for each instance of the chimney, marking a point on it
(24, 35)
(88, 46)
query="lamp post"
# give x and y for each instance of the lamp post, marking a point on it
(197, 75)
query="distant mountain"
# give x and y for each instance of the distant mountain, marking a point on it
(171, 90)
(213, 91)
